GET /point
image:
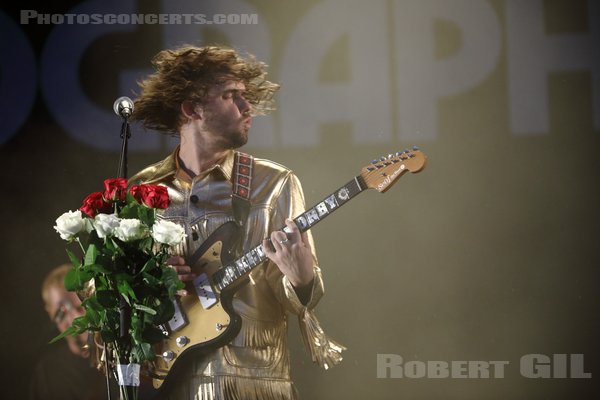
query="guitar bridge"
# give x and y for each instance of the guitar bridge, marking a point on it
(205, 292)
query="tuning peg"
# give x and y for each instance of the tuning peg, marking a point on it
(406, 151)
(374, 161)
(382, 159)
(390, 156)
(415, 148)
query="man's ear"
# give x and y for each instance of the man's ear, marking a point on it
(191, 110)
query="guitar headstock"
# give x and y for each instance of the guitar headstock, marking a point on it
(384, 172)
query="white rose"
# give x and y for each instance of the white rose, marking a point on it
(70, 224)
(130, 229)
(167, 232)
(105, 224)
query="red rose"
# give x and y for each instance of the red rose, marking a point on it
(154, 196)
(94, 203)
(157, 197)
(115, 189)
(136, 192)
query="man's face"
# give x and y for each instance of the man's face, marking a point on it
(63, 307)
(226, 114)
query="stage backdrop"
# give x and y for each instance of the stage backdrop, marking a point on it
(475, 279)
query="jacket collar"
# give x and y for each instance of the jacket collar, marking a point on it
(170, 167)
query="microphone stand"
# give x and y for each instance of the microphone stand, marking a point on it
(124, 308)
(125, 135)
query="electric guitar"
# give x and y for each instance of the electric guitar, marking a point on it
(205, 319)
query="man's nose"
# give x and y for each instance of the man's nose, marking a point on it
(243, 105)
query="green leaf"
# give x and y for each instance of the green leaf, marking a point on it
(72, 280)
(150, 280)
(130, 210)
(124, 287)
(81, 323)
(149, 265)
(171, 281)
(146, 215)
(69, 331)
(92, 303)
(90, 255)
(146, 244)
(93, 317)
(75, 279)
(110, 246)
(126, 298)
(142, 352)
(130, 199)
(136, 327)
(75, 261)
(117, 250)
(101, 283)
(144, 309)
(164, 312)
(97, 268)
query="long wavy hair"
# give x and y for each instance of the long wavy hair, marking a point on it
(187, 73)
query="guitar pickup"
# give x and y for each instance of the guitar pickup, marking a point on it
(205, 292)
(179, 320)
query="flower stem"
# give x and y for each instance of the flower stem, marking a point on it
(80, 244)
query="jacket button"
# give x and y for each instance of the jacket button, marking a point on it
(194, 199)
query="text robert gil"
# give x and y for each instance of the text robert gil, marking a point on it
(530, 366)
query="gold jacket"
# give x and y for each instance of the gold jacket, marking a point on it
(255, 365)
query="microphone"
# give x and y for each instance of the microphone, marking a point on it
(123, 107)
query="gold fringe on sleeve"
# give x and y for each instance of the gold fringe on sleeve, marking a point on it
(323, 350)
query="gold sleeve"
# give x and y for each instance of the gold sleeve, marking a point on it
(324, 351)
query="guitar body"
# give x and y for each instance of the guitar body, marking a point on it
(202, 329)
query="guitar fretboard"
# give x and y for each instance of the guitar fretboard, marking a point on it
(230, 273)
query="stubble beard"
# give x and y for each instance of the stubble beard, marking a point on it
(234, 139)
(231, 137)
(239, 138)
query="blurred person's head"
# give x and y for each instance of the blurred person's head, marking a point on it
(63, 307)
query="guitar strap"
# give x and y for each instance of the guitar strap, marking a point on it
(242, 182)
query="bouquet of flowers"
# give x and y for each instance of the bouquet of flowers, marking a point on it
(130, 289)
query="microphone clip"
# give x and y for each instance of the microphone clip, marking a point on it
(123, 107)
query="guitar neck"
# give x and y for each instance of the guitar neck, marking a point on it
(231, 273)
